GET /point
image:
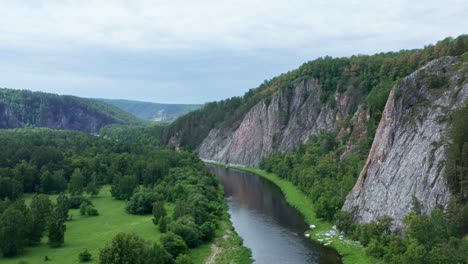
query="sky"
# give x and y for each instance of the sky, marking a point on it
(199, 51)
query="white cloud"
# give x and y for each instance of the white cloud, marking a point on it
(194, 51)
(239, 25)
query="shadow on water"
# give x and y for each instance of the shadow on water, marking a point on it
(272, 228)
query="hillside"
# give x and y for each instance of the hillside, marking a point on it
(20, 108)
(153, 111)
(334, 107)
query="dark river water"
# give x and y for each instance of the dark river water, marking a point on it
(272, 228)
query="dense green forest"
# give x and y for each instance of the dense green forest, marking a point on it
(368, 78)
(40, 109)
(70, 163)
(153, 111)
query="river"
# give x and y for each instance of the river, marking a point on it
(270, 227)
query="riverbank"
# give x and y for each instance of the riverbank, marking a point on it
(323, 233)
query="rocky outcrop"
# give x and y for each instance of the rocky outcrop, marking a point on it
(7, 118)
(409, 149)
(278, 123)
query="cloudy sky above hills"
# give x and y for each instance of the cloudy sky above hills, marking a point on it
(197, 51)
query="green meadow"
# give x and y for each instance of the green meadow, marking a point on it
(93, 232)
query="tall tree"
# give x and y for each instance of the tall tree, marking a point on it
(13, 234)
(56, 228)
(76, 185)
(40, 210)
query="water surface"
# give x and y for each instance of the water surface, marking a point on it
(272, 228)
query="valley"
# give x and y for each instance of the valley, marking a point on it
(342, 160)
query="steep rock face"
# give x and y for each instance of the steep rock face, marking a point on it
(409, 149)
(279, 123)
(68, 114)
(7, 118)
(19, 108)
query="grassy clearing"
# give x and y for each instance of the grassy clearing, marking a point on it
(92, 233)
(351, 253)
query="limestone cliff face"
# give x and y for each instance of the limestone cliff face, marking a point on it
(7, 118)
(409, 149)
(279, 123)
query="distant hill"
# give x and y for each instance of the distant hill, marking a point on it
(20, 108)
(153, 111)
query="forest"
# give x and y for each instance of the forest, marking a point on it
(183, 199)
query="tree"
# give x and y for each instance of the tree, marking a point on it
(76, 182)
(162, 224)
(10, 188)
(186, 228)
(56, 228)
(174, 244)
(13, 235)
(158, 212)
(52, 183)
(124, 249)
(26, 172)
(123, 186)
(93, 186)
(157, 254)
(62, 206)
(40, 210)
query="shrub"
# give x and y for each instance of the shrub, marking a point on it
(183, 259)
(85, 256)
(91, 211)
(174, 244)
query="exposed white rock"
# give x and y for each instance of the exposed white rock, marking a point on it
(409, 150)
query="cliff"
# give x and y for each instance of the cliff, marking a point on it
(274, 124)
(407, 157)
(19, 108)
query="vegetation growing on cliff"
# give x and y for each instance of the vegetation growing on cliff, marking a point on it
(368, 78)
(317, 170)
(427, 238)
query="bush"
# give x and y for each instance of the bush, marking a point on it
(76, 201)
(186, 228)
(83, 207)
(183, 259)
(174, 244)
(85, 256)
(142, 201)
(91, 211)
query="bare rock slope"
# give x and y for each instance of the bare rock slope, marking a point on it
(278, 123)
(408, 154)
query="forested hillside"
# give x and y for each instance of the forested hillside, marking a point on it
(361, 80)
(20, 108)
(153, 111)
(315, 127)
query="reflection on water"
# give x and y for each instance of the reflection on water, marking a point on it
(268, 224)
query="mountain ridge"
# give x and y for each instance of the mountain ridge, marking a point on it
(20, 108)
(157, 112)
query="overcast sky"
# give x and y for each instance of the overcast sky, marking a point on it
(198, 51)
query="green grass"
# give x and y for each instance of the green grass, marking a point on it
(92, 233)
(351, 253)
